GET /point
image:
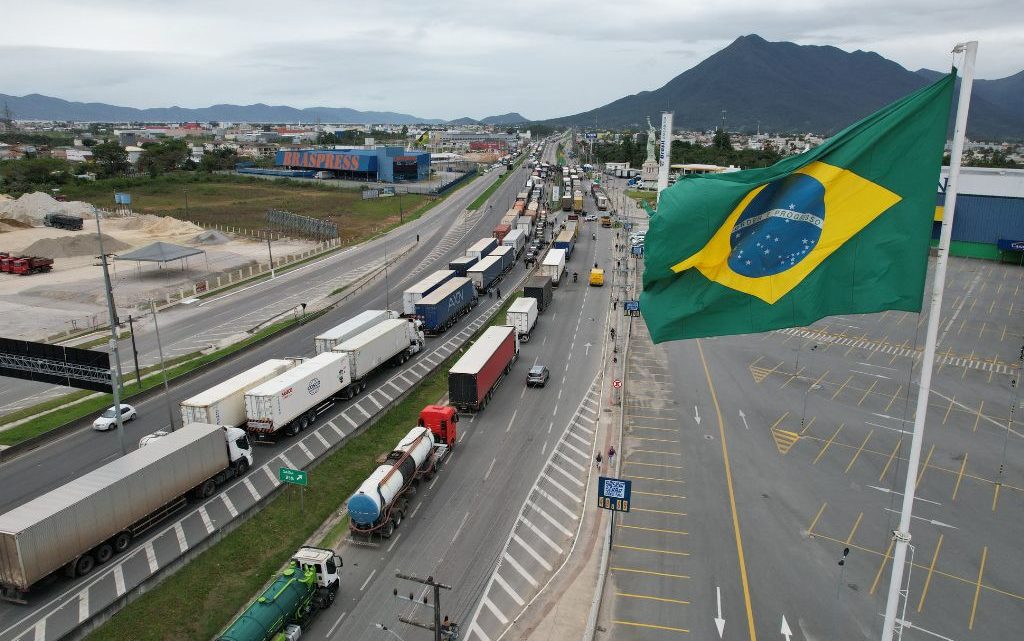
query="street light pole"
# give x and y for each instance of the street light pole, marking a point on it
(112, 313)
(271, 253)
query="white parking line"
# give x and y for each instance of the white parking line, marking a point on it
(540, 534)
(570, 462)
(375, 402)
(40, 630)
(151, 558)
(320, 437)
(529, 550)
(344, 415)
(579, 438)
(83, 605)
(252, 488)
(521, 570)
(229, 505)
(360, 408)
(287, 463)
(558, 504)
(585, 455)
(119, 580)
(495, 611)
(392, 384)
(508, 588)
(205, 516)
(180, 533)
(306, 450)
(550, 519)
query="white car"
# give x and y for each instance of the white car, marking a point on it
(590, 218)
(107, 421)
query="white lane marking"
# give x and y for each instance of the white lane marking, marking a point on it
(205, 516)
(540, 534)
(337, 430)
(151, 558)
(415, 510)
(40, 630)
(495, 611)
(490, 468)
(273, 479)
(558, 504)
(857, 371)
(508, 588)
(320, 437)
(572, 447)
(550, 425)
(545, 448)
(350, 421)
(229, 505)
(392, 384)
(570, 462)
(334, 627)
(83, 605)
(286, 462)
(555, 411)
(395, 541)
(550, 519)
(252, 489)
(375, 402)
(367, 581)
(513, 419)
(878, 366)
(521, 570)
(579, 438)
(533, 553)
(360, 408)
(461, 525)
(182, 541)
(119, 580)
(306, 450)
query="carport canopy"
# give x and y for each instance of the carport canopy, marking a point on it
(160, 252)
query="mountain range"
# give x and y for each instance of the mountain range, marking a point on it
(784, 87)
(39, 107)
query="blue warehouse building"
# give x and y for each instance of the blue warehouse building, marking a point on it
(383, 164)
(989, 213)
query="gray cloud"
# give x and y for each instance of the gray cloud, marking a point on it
(449, 58)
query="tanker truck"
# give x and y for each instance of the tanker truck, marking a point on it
(380, 503)
(308, 585)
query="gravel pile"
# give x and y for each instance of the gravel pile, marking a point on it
(80, 245)
(31, 208)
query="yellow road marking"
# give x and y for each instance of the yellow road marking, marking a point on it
(931, 569)
(641, 509)
(960, 476)
(894, 396)
(780, 419)
(655, 551)
(784, 440)
(853, 530)
(885, 559)
(817, 516)
(927, 460)
(859, 450)
(652, 598)
(651, 625)
(995, 497)
(668, 496)
(838, 391)
(792, 377)
(732, 498)
(652, 478)
(652, 529)
(828, 444)
(885, 469)
(951, 401)
(977, 589)
(808, 426)
(676, 467)
(651, 572)
(867, 393)
(976, 420)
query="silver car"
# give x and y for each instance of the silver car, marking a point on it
(107, 421)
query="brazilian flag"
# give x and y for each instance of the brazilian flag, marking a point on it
(841, 229)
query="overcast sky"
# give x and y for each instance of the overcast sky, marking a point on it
(448, 58)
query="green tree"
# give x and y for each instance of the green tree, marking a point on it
(218, 159)
(33, 174)
(110, 159)
(162, 157)
(327, 139)
(721, 140)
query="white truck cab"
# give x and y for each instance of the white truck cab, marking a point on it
(327, 564)
(237, 439)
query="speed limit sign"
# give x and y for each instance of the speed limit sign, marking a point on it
(616, 383)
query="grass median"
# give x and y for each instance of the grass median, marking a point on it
(204, 596)
(482, 199)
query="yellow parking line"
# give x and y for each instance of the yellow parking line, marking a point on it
(995, 496)
(828, 444)
(867, 393)
(667, 496)
(977, 588)
(885, 469)
(980, 405)
(653, 478)
(881, 568)
(675, 467)
(654, 550)
(960, 476)
(838, 391)
(652, 529)
(931, 569)
(656, 452)
(652, 598)
(641, 509)
(859, 450)
(950, 409)
(853, 530)
(809, 424)
(651, 625)
(927, 460)
(651, 572)
(776, 423)
(817, 516)
(893, 399)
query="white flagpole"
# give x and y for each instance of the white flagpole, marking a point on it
(902, 535)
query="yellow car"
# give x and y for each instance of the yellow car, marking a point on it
(596, 277)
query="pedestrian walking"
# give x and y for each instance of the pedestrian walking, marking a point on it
(417, 238)
(611, 455)
(597, 461)
(499, 293)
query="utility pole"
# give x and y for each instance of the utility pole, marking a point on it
(135, 353)
(271, 253)
(429, 581)
(112, 313)
(163, 369)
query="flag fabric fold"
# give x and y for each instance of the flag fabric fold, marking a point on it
(841, 229)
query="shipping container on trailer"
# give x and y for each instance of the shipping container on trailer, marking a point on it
(461, 264)
(516, 239)
(522, 314)
(444, 306)
(486, 272)
(577, 201)
(356, 325)
(291, 401)
(525, 224)
(412, 295)
(86, 521)
(539, 287)
(390, 342)
(473, 379)
(553, 265)
(566, 240)
(507, 255)
(500, 231)
(224, 403)
(482, 247)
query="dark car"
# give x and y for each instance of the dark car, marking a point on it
(537, 376)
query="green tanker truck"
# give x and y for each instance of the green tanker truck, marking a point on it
(308, 585)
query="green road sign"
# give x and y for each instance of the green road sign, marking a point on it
(295, 477)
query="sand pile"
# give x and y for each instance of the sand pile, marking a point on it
(31, 208)
(66, 246)
(211, 237)
(160, 225)
(10, 224)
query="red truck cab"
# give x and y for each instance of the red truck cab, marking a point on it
(441, 420)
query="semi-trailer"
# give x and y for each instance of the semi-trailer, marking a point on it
(473, 379)
(380, 503)
(516, 239)
(566, 240)
(486, 272)
(522, 314)
(413, 295)
(481, 248)
(500, 231)
(85, 522)
(391, 342)
(553, 265)
(507, 255)
(567, 200)
(224, 403)
(539, 287)
(309, 585)
(525, 224)
(462, 264)
(577, 201)
(444, 306)
(352, 327)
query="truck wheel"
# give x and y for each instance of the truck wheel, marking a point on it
(292, 429)
(207, 489)
(397, 518)
(121, 542)
(104, 553)
(84, 565)
(303, 423)
(241, 467)
(388, 530)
